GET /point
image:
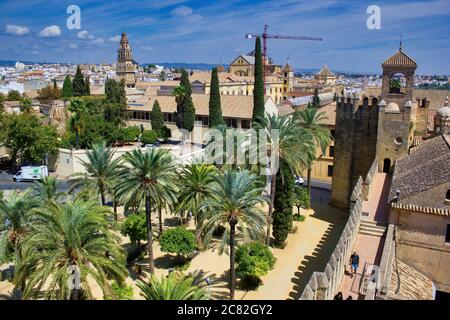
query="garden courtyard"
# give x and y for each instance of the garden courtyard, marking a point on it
(308, 249)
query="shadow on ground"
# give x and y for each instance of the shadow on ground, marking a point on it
(322, 252)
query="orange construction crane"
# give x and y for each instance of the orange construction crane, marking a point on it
(266, 36)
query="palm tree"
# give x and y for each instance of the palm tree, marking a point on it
(65, 238)
(311, 120)
(77, 107)
(100, 168)
(46, 190)
(147, 177)
(176, 286)
(195, 182)
(14, 224)
(287, 142)
(235, 201)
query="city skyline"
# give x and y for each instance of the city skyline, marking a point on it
(214, 33)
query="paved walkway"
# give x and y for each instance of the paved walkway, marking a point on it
(368, 247)
(308, 250)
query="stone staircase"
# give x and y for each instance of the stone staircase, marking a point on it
(371, 228)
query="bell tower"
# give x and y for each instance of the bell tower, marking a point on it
(126, 67)
(395, 122)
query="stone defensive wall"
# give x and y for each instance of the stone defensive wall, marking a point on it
(323, 285)
(369, 178)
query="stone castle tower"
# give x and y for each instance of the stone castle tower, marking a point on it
(375, 127)
(126, 66)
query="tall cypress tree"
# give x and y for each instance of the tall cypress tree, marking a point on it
(55, 86)
(215, 108)
(316, 99)
(87, 85)
(67, 91)
(120, 95)
(78, 86)
(258, 91)
(184, 82)
(282, 216)
(156, 118)
(186, 114)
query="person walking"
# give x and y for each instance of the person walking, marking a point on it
(354, 262)
(338, 296)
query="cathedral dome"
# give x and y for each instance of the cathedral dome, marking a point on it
(392, 107)
(444, 112)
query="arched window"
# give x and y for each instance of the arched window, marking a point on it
(397, 83)
(447, 195)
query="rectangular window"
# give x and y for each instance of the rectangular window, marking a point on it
(331, 151)
(447, 234)
(330, 171)
(245, 124)
(332, 133)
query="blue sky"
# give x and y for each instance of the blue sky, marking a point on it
(211, 31)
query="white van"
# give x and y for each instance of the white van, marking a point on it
(31, 173)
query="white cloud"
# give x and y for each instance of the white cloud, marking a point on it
(98, 41)
(91, 37)
(73, 46)
(34, 52)
(194, 18)
(16, 30)
(147, 48)
(82, 34)
(50, 31)
(115, 38)
(181, 11)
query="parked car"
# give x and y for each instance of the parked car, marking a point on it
(31, 173)
(299, 181)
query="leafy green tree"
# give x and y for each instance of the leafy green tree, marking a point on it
(101, 169)
(87, 84)
(13, 95)
(130, 134)
(46, 190)
(312, 121)
(115, 113)
(236, 200)
(29, 139)
(67, 91)
(258, 91)
(282, 216)
(316, 99)
(288, 142)
(149, 137)
(25, 105)
(78, 108)
(300, 198)
(74, 235)
(254, 260)
(156, 118)
(14, 224)
(215, 109)
(48, 94)
(166, 133)
(78, 86)
(135, 228)
(147, 177)
(177, 240)
(174, 287)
